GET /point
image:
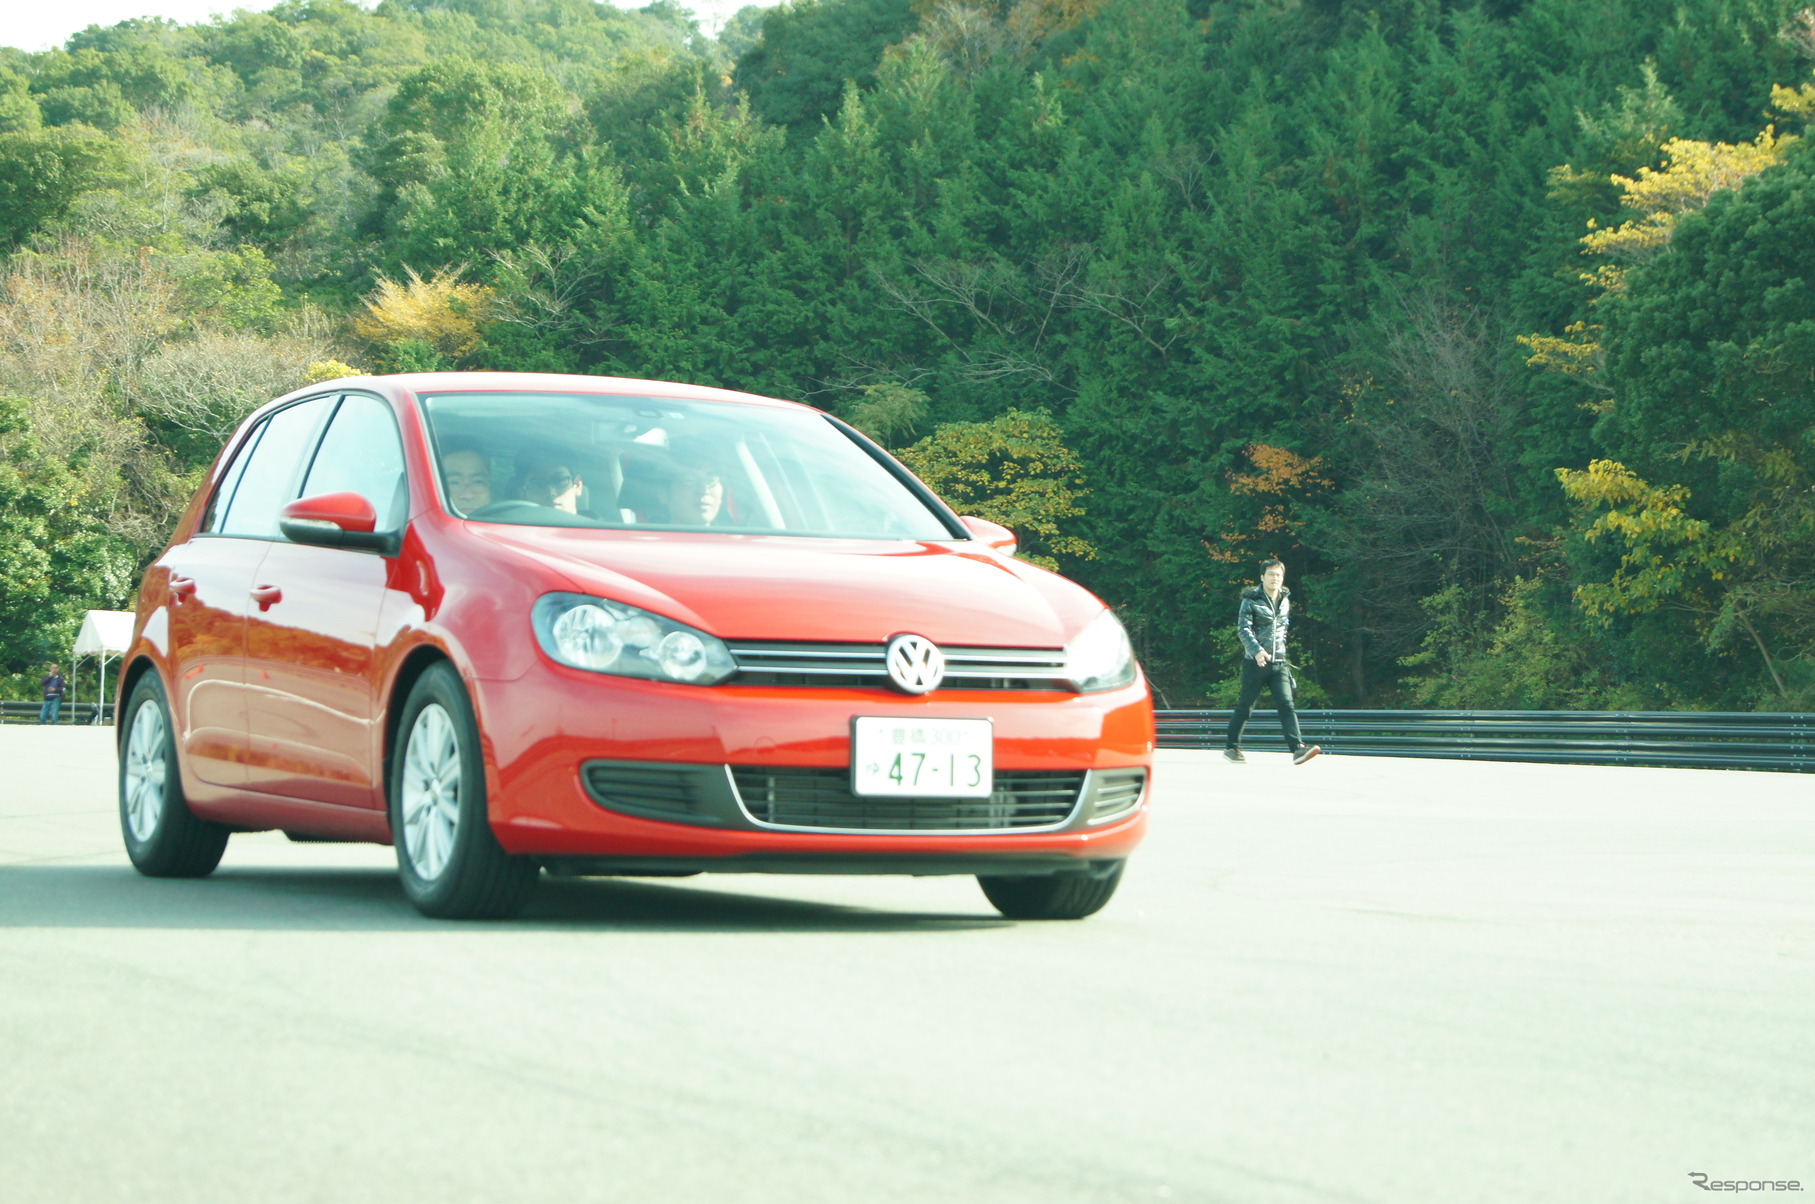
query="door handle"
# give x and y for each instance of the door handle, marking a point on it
(182, 587)
(265, 595)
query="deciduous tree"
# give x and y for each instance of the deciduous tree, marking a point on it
(1015, 470)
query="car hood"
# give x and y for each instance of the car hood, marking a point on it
(793, 588)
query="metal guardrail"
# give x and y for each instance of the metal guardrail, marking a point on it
(1705, 740)
(74, 713)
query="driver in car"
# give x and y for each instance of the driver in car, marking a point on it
(547, 478)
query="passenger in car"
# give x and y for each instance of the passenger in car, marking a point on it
(466, 475)
(693, 494)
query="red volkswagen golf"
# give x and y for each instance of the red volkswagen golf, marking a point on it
(514, 623)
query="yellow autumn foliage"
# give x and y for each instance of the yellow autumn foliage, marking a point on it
(1665, 552)
(1692, 173)
(1013, 469)
(440, 311)
(1794, 102)
(1577, 352)
(322, 370)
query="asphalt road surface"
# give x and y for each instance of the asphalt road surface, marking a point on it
(1358, 980)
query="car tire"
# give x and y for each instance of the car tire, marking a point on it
(163, 837)
(450, 863)
(1052, 896)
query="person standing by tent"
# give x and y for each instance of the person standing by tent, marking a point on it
(54, 685)
(1266, 610)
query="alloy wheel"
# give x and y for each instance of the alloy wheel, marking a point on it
(431, 792)
(146, 770)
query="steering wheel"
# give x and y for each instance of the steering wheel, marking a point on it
(506, 507)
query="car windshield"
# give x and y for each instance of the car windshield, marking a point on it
(590, 460)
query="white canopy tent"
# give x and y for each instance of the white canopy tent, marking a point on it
(105, 634)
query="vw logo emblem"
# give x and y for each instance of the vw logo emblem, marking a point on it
(916, 665)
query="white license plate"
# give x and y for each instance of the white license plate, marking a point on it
(926, 758)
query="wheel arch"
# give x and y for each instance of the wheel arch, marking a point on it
(419, 661)
(135, 669)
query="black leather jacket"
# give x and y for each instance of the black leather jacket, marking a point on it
(1262, 623)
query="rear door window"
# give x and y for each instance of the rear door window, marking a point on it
(217, 509)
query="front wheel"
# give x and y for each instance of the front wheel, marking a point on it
(1052, 896)
(164, 839)
(451, 865)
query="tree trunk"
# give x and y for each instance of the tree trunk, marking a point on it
(1770, 665)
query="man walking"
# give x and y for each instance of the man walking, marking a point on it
(54, 686)
(1266, 611)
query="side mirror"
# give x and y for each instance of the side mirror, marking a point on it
(336, 520)
(995, 535)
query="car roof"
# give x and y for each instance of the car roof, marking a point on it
(419, 383)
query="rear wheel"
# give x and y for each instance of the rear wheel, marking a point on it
(451, 865)
(1052, 896)
(164, 839)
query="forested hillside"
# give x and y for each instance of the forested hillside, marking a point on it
(1494, 318)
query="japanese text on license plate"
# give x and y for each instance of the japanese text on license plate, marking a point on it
(925, 758)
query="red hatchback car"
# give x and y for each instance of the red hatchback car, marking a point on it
(513, 623)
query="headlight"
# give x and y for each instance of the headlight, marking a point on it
(610, 637)
(1101, 658)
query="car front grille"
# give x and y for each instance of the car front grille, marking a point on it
(822, 799)
(865, 666)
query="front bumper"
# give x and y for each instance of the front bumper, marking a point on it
(549, 734)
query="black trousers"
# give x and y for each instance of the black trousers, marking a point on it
(1278, 675)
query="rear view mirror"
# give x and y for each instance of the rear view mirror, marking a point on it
(336, 520)
(995, 535)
